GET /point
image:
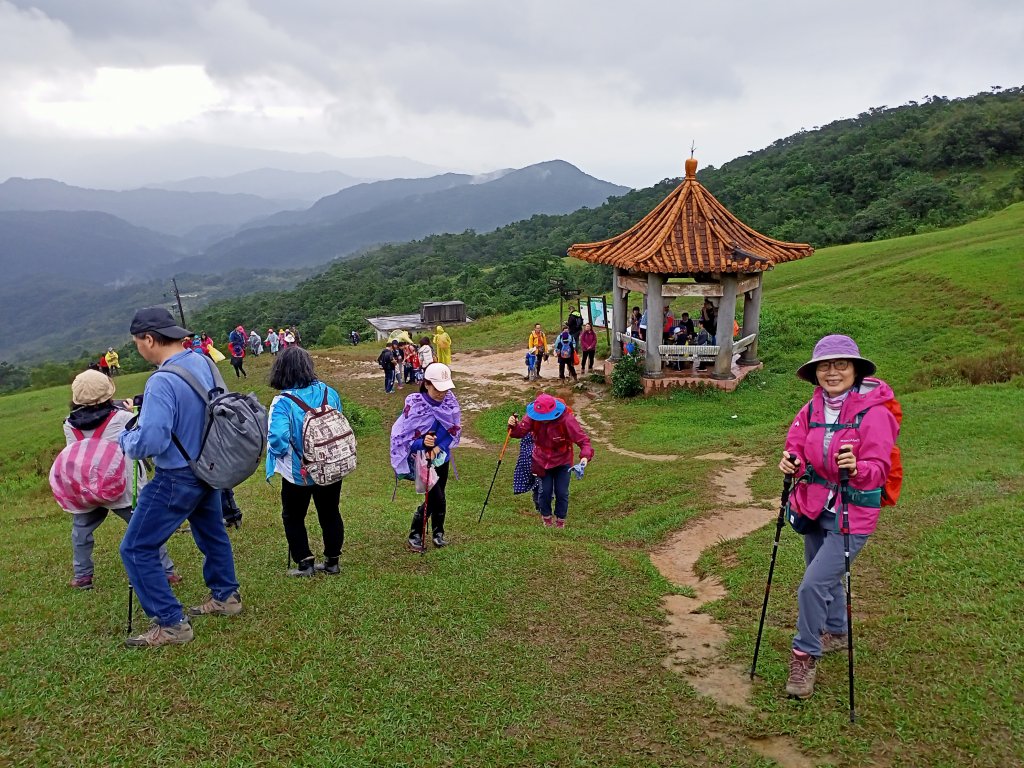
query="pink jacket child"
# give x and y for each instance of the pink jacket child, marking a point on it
(872, 443)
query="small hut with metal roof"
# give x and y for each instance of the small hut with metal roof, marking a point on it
(690, 245)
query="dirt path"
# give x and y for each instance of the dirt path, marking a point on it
(696, 640)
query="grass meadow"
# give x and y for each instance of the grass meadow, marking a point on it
(523, 646)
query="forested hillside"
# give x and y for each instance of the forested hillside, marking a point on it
(885, 173)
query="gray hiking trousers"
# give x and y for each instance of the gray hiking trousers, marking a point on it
(82, 540)
(822, 594)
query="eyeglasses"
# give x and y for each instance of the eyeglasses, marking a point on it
(839, 365)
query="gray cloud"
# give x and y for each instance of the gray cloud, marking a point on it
(488, 84)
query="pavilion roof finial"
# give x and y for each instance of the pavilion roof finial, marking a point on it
(691, 163)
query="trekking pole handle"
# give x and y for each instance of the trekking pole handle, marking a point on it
(844, 474)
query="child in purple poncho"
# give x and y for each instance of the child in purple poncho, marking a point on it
(431, 424)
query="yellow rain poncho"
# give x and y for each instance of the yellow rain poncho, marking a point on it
(443, 345)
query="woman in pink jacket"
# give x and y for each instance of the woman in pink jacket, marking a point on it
(846, 426)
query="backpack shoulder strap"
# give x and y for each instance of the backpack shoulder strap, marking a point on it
(218, 379)
(298, 401)
(191, 380)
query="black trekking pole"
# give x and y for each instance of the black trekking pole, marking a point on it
(844, 487)
(500, 457)
(787, 485)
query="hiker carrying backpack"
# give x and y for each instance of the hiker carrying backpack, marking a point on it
(91, 476)
(234, 433)
(311, 445)
(844, 439)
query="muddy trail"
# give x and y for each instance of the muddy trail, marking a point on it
(695, 640)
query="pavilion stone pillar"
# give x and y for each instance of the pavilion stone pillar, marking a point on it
(723, 335)
(619, 314)
(752, 321)
(653, 303)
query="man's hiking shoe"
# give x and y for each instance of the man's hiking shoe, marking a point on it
(833, 643)
(803, 668)
(173, 578)
(548, 521)
(330, 565)
(416, 543)
(213, 607)
(155, 636)
(305, 568)
(81, 582)
(559, 522)
(440, 540)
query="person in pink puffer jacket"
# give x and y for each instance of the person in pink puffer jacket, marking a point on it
(846, 411)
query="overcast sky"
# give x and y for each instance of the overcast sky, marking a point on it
(617, 88)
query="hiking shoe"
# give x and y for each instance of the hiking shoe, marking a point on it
(81, 582)
(330, 565)
(440, 540)
(416, 543)
(803, 668)
(155, 636)
(213, 607)
(834, 643)
(559, 522)
(305, 568)
(548, 521)
(173, 578)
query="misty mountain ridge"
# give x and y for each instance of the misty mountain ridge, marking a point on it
(182, 214)
(269, 183)
(346, 223)
(120, 164)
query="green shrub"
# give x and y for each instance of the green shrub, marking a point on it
(627, 376)
(332, 337)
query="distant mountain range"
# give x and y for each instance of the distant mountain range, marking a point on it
(404, 209)
(197, 215)
(270, 183)
(59, 242)
(109, 164)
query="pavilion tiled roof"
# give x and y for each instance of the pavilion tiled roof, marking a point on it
(690, 232)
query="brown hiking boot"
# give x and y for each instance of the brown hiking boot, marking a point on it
(833, 643)
(803, 668)
(212, 607)
(155, 636)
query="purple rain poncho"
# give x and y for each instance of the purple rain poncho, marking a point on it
(418, 417)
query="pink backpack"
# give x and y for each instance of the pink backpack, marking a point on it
(89, 473)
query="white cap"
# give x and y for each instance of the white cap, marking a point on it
(440, 375)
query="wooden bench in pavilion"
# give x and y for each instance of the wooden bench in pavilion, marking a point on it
(689, 353)
(691, 245)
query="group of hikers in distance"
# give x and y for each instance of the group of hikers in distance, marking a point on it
(840, 448)
(405, 362)
(574, 344)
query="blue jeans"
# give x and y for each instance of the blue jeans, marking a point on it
(165, 502)
(555, 482)
(389, 380)
(822, 593)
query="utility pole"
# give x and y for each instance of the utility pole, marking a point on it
(181, 312)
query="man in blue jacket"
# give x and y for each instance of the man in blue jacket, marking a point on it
(175, 494)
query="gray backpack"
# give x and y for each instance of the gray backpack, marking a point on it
(234, 435)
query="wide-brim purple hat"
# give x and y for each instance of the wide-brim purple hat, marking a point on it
(835, 347)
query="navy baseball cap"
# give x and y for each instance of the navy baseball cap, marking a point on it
(159, 320)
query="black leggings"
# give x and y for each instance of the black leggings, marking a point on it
(236, 363)
(564, 363)
(587, 354)
(295, 503)
(437, 505)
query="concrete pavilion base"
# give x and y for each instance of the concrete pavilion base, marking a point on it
(689, 377)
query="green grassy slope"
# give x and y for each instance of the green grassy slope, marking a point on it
(517, 647)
